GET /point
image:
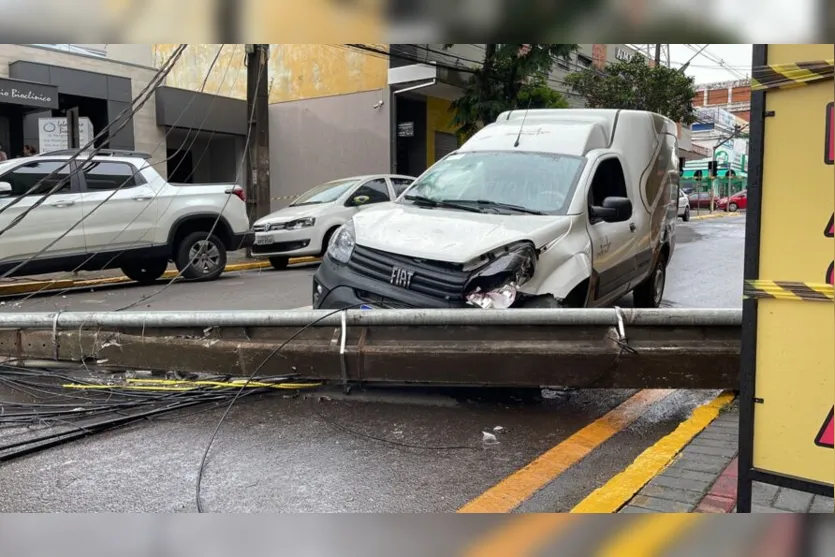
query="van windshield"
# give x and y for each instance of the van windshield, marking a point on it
(498, 181)
(325, 193)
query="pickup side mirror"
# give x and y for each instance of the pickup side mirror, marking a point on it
(614, 209)
(358, 200)
(5, 189)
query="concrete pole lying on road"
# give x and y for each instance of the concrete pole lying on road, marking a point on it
(595, 348)
(667, 317)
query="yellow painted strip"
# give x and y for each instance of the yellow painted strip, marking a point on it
(826, 289)
(796, 73)
(235, 383)
(522, 484)
(649, 535)
(716, 215)
(523, 536)
(14, 288)
(621, 488)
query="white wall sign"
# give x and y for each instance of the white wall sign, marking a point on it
(622, 54)
(52, 133)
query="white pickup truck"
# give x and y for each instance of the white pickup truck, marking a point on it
(115, 211)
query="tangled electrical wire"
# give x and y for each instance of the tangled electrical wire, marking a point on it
(48, 407)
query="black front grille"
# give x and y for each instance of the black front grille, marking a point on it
(437, 279)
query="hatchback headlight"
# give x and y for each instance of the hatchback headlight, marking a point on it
(306, 222)
(342, 243)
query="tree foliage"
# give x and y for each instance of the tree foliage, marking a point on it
(636, 85)
(512, 76)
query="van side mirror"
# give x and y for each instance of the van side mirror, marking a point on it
(5, 189)
(614, 209)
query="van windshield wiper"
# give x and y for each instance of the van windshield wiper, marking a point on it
(427, 202)
(499, 205)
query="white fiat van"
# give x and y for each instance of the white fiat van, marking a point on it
(543, 208)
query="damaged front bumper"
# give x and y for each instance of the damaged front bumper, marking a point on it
(336, 286)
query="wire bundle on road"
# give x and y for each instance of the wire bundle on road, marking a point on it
(48, 407)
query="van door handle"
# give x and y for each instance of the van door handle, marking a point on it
(632, 227)
(142, 197)
(61, 204)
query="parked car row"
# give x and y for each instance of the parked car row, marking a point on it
(541, 209)
(706, 200)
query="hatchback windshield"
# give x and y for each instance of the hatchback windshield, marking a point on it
(499, 181)
(324, 193)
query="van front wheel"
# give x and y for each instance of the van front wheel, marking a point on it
(649, 293)
(540, 302)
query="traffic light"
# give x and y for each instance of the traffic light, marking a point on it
(711, 169)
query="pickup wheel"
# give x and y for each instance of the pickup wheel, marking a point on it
(649, 293)
(200, 256)
(146, 271)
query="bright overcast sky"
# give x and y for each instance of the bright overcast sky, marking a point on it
(708, 67)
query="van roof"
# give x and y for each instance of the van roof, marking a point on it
(564, 131)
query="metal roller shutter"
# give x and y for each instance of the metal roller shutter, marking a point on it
(445, 143)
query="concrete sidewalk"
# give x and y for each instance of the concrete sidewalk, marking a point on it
(703, 479)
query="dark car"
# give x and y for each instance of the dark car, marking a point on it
(701, 200)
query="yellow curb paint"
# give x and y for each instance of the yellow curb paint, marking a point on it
(714, 216)
(649, 535)
(522, 484)
(615, 493)
(521, 536)
(47, 285)
(26, 287)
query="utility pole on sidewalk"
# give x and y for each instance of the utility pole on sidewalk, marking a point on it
(657, 55)
(73, 131)
(258, 153)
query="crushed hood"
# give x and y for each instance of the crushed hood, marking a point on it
(450, 235)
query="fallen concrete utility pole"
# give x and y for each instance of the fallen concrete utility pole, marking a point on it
(601, 348)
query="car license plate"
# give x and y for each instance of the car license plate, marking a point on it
(263, 240)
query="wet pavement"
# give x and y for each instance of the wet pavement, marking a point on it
(276, 454)
(306, 455)
(706, 272)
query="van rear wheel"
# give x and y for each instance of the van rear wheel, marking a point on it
(650, 293)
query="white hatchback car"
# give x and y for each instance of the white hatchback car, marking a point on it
(683, 206)
(305, 227)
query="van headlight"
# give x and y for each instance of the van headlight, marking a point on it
(342, 243)
(495, 285)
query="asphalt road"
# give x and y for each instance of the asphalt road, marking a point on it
(345, 454)
(706, 271)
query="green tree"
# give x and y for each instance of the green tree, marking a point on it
(636, 85)
(511, 76)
